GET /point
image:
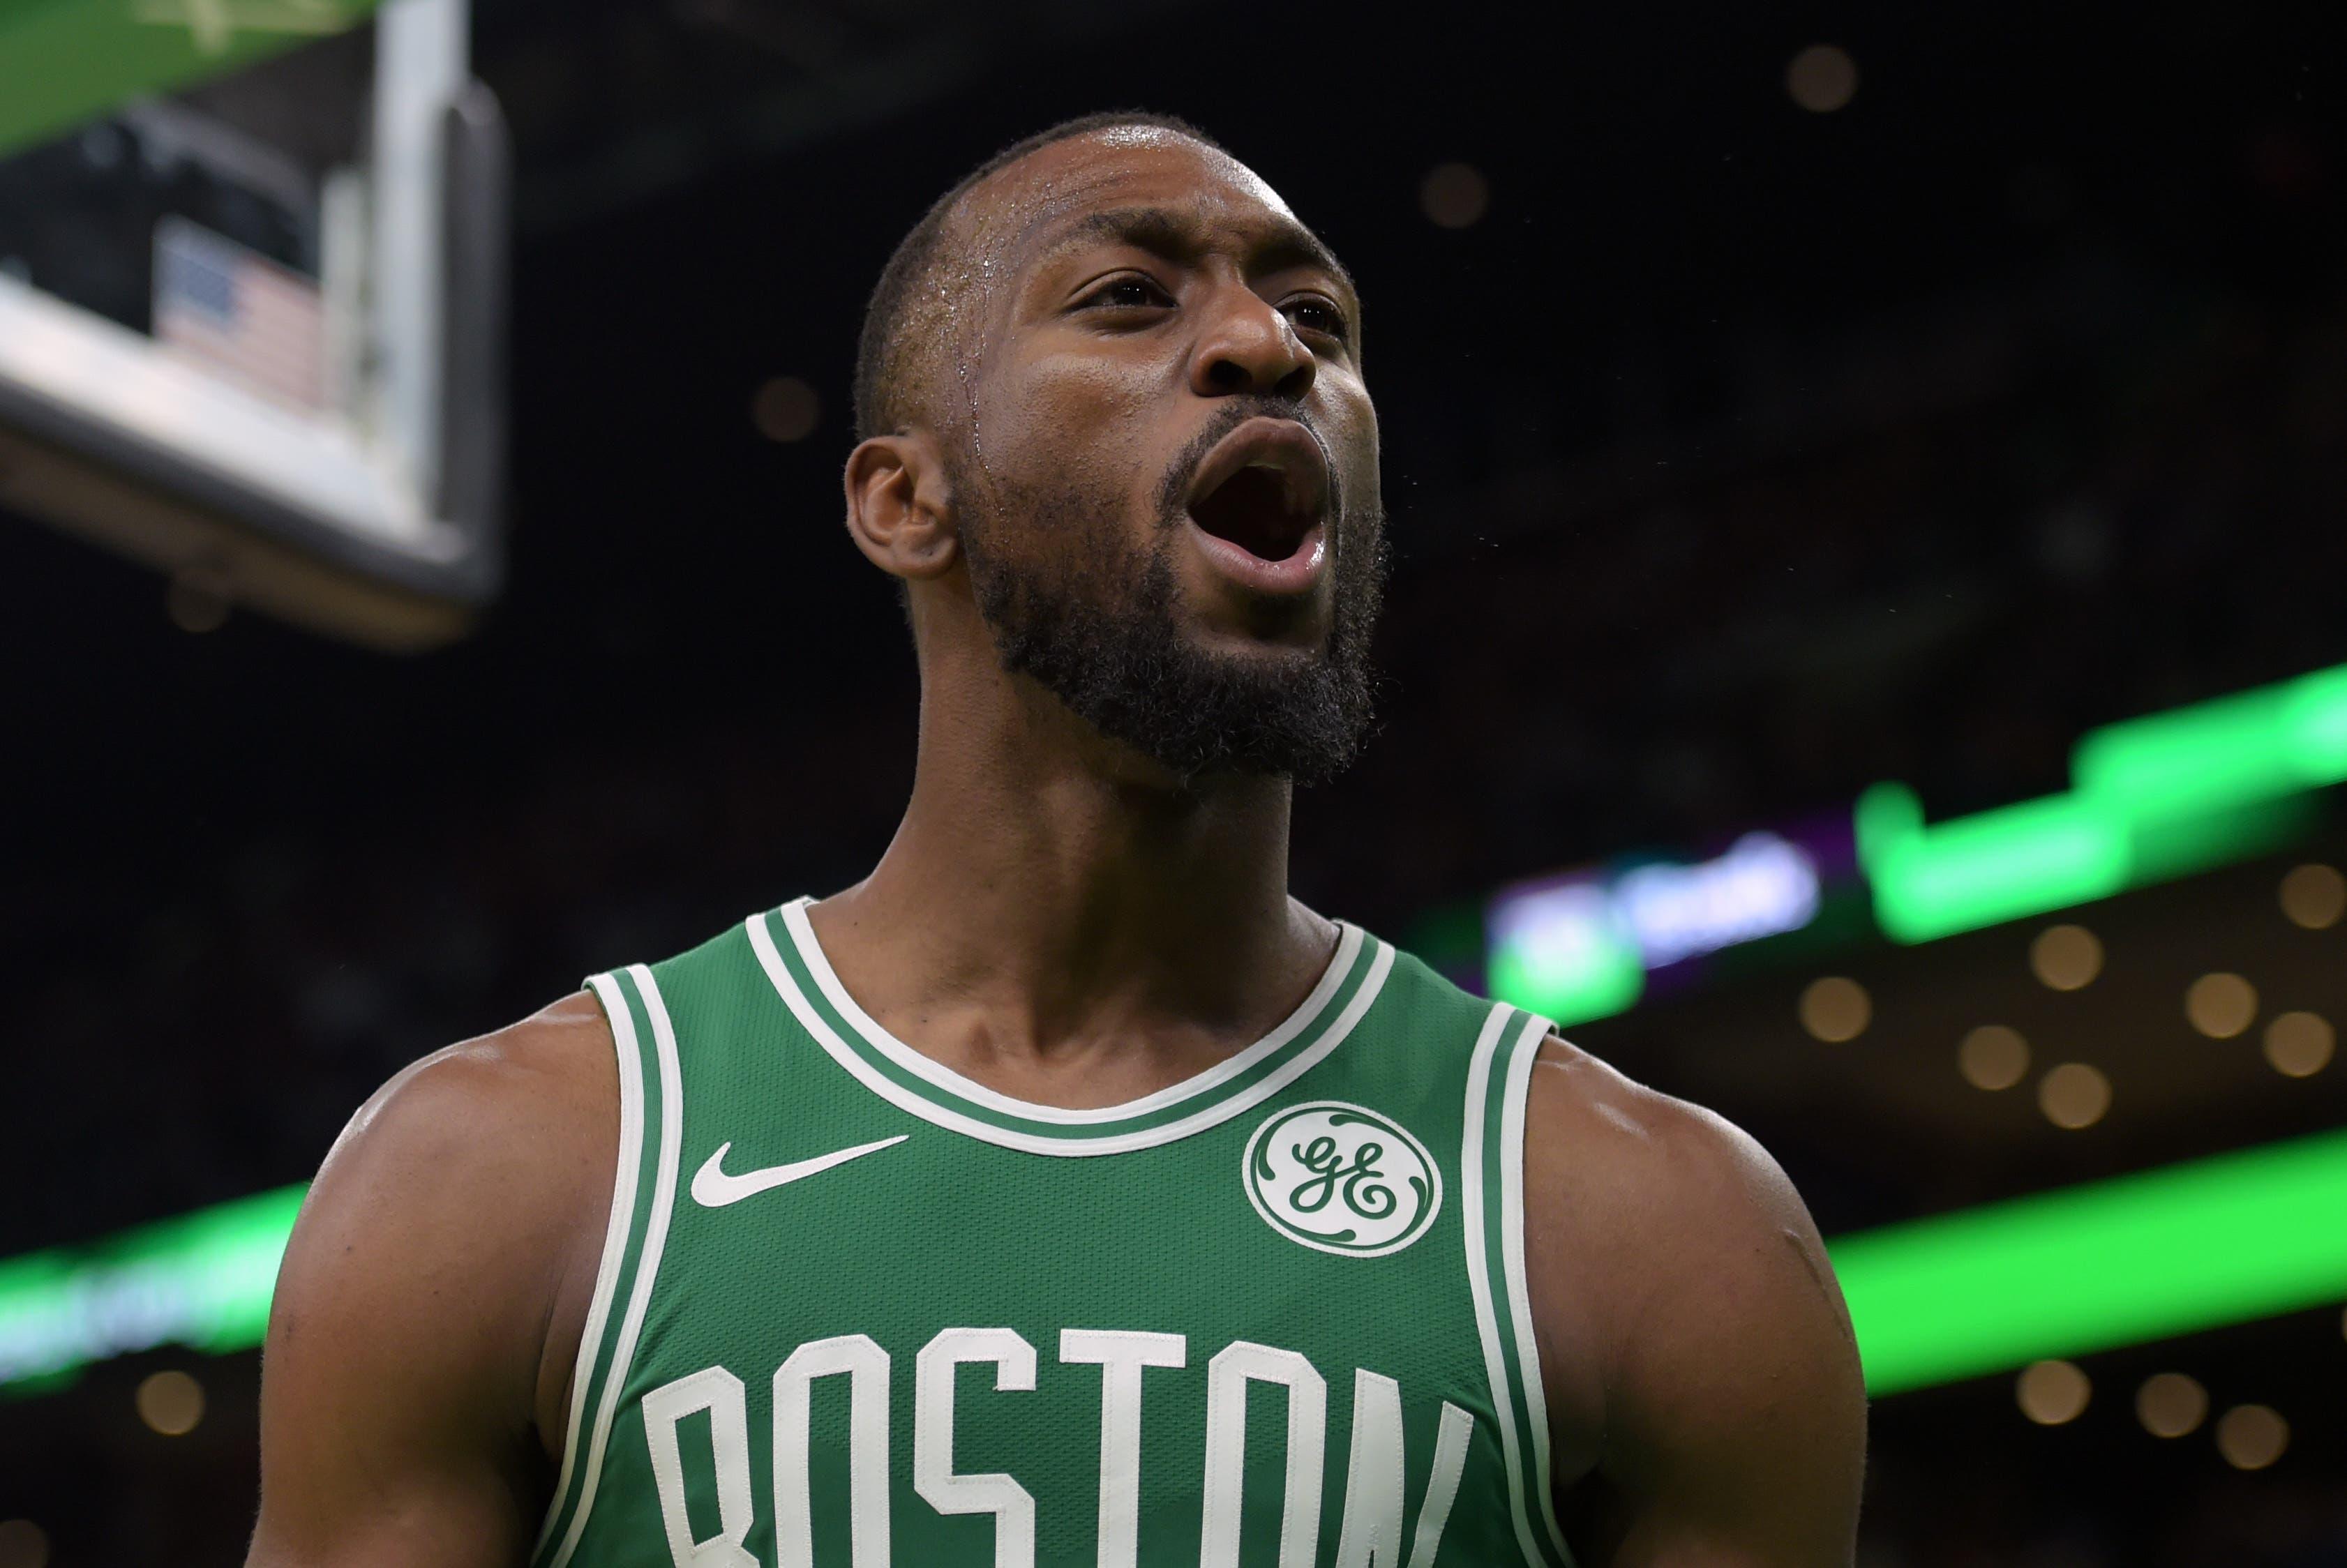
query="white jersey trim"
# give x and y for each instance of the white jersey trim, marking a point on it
(1479, 1278)
(762, 941)
(648, 1260)
(801, 932)
(615, 1238)
(1524, 1055)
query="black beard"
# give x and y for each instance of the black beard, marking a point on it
(1092, 622)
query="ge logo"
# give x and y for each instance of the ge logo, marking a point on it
(1341, 1179)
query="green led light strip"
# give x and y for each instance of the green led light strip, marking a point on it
(202, 1280)
(1601, 976)
(2151, 798)
(2225, 1240)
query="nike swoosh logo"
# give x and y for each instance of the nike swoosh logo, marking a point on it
(713, 1189)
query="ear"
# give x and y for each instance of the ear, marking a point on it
(900, 506)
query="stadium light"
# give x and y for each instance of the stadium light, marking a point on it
(1578, 948)
(202, 1280)
(1560, 951)
(2151, 798)
(2239, 1236)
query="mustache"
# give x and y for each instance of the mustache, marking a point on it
(1228, 417)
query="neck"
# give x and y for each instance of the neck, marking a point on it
(1051, 895)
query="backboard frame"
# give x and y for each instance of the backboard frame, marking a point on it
(381, 523)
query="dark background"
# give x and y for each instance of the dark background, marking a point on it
(1739, 458)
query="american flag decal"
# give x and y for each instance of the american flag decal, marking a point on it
(239, 314)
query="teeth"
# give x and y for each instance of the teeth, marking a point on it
(1266, 463)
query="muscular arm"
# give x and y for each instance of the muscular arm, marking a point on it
(430, 1304)
(1702, 1380)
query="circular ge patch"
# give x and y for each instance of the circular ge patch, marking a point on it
(1341, 1178)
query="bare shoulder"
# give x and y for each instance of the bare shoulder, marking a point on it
(1666, 1174)
(472, 1165)
(430, 1300)
(1703, 1377)
(479, 1173)
(506, 1107)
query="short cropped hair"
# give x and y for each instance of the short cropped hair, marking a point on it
(888, 355)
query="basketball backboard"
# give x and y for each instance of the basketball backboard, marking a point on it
(251, 326)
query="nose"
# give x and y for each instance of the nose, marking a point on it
(1249, 348)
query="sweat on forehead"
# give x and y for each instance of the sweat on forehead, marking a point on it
(1022, 199)
(917, 317)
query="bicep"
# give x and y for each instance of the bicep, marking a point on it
(1707, 1355)
(1742, 1433)
(397, 1389)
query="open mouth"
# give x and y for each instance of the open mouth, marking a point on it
(1264, 488)
(1254, 510)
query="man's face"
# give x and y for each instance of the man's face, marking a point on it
(1165, 458)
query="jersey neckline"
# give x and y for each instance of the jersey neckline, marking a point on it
(803, 976)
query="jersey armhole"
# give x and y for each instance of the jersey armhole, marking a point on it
(1491, 1170)
(619, 1237)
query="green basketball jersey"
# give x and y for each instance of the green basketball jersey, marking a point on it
(856, 1309)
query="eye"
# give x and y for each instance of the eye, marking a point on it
(1312, 313)
(1126, 292)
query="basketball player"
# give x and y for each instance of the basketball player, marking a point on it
(1064, 1191)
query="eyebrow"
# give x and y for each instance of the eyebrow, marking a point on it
(1154, 229)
